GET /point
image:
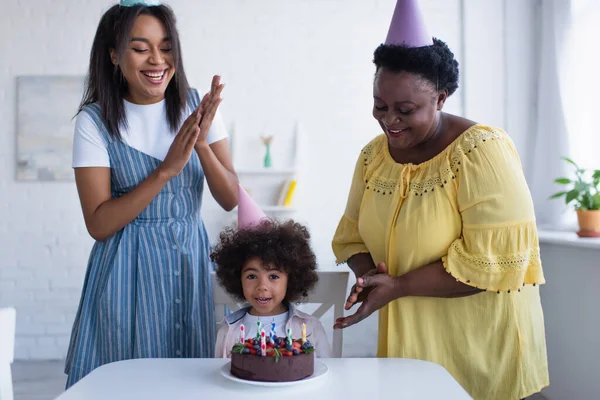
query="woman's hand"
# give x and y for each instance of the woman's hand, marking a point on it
(359, 294)
(208, 108)
(384, 289)
(182, 146)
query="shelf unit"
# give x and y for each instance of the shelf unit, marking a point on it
(265, 184)
(265, 171)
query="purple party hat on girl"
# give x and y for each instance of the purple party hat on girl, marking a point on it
(249, 213)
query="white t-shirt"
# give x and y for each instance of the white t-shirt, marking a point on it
(148, 131)
(250, 324)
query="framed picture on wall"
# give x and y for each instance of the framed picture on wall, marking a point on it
(46, 106)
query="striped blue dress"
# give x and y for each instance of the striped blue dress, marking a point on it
(147, 290)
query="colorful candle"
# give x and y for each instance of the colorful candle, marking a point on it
(242, 334)
(257, 329)
(289, 336)
(303, 333)
(272, 333)
(263, 343)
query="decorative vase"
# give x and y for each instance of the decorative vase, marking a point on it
(589, 223)
(267, 160)
(267, 142)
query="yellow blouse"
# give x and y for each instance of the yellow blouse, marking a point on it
(470, 207)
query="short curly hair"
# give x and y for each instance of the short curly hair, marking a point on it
(434, 63)
(284, 244)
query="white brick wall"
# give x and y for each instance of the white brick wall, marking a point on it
(283, 61)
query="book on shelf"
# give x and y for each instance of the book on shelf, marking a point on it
(286, 193)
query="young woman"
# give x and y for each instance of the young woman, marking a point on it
(144, 143)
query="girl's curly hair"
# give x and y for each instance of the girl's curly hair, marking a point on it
(282, 244)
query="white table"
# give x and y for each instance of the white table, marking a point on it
(348, 378)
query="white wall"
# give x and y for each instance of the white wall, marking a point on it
(570, 301)
(283, 62)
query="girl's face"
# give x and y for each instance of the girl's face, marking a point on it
(147, 64)
(264, 287)
(406, 108)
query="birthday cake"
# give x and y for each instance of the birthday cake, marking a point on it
(273, 360)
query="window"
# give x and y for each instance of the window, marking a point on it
(580, 67)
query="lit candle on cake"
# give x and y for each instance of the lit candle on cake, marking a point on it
(242, 334)
(303, 332)
(263, 343)
(289, 335)
(258, 329)
(272, 334)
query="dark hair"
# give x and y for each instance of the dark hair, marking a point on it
(434, 63)
(283, 244)
(105, 83)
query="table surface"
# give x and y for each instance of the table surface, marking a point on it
(378, 378)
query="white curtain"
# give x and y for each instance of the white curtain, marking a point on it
(568, 103)
(550, 141)
(580, 82)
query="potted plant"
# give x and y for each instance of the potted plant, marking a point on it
(583, 192)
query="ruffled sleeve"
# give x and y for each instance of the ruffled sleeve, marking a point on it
(347, 240)
(499, 248)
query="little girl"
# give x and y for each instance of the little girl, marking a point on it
(270, 265)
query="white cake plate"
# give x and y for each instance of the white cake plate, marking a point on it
(320, 372)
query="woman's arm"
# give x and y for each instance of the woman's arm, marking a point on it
(220, 175)
(361, 263)
(216, 157)
(103, 215)
(433, 281)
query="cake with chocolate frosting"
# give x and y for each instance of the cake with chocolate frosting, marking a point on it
(283, 361)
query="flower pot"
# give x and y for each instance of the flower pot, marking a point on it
(589, 223)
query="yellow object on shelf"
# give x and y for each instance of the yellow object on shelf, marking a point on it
(290, 193)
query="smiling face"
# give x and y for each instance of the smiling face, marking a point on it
(406, 107)
(147, 64)
(264, 287)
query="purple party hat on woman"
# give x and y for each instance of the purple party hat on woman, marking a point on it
(408, 26)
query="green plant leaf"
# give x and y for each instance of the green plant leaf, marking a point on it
(557, 195)
(571, 195)
(277, 355)
(596, 178)
(570, 161)
(585, 191)
(596, 202)
(582, 186)
(586, 201)
(562, 181)
(310, 350)
(238, 348)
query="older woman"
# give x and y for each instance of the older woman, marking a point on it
(439, 228)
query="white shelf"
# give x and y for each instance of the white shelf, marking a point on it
(265, 185)
(278, 209)
(566, 238)
(265, 171)
(275, 208)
